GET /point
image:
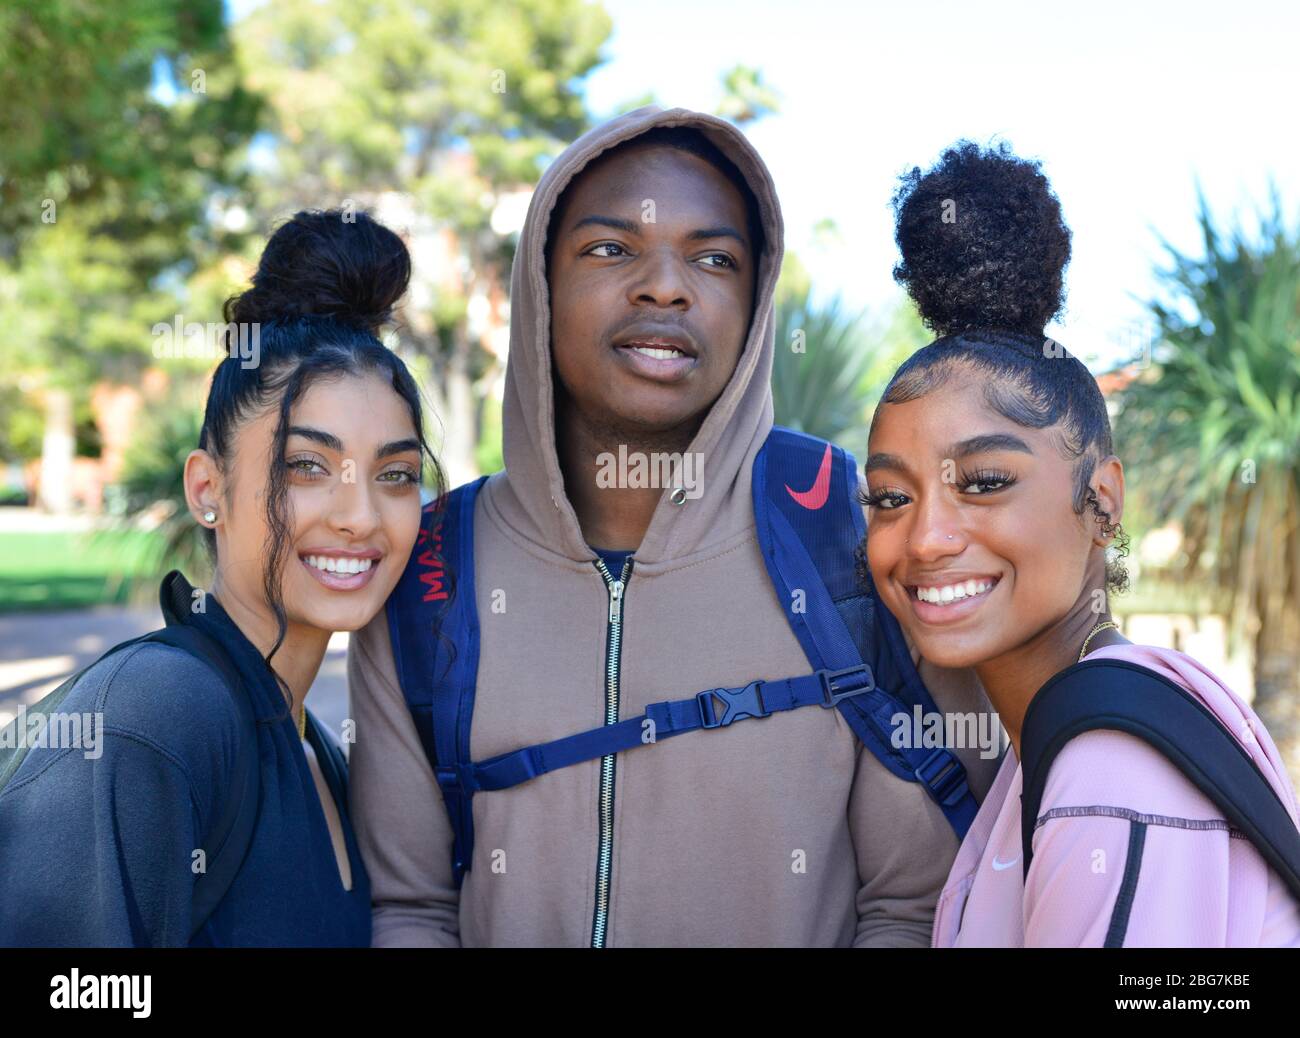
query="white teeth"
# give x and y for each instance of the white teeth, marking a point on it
(333, 564)
(950, 593)
(657, 353)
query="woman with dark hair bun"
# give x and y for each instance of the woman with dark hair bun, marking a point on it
(214, 810)
(993, 496)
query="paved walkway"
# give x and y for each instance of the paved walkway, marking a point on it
(39, 650)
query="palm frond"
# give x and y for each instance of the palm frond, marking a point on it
(1212, 439)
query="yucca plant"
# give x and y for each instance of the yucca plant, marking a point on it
(1212, 439)
(830, 367)
(152, 490)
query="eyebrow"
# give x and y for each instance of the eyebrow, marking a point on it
(332, 442)
(328, 440)
(630, 227)
(397, 447)
(974, 445)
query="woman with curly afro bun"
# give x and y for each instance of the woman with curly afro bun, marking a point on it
(993, 496)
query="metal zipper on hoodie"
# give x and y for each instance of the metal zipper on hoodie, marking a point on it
(613, 646)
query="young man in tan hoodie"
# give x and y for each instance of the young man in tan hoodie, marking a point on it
(642, 319)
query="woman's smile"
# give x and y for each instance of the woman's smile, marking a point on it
(342, 570)
(937, 602)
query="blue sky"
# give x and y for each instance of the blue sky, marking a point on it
(1128, 105)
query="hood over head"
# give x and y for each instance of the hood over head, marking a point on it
(531, 495)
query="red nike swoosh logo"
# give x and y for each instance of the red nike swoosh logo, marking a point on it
(815, 496)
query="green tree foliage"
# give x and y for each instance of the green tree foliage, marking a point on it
(747, 97)
(80, 122)
(449, 104)
(1212, 437)
(152, 484)
(105, 182)
(830, 366)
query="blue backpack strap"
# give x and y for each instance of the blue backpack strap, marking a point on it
(438, 673)
(712, 708)
(808, 535)
(1122, 696)
(433, 624)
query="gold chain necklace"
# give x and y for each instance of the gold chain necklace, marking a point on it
(1096, 630)
(302, 722)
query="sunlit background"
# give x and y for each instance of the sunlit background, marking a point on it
(147, 148)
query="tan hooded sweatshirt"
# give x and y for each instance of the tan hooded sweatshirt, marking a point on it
(776, 831)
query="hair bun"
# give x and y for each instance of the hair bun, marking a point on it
(327, 263)
(983, 242)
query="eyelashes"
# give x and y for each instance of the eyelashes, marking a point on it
(728, 264)
(991, 480)
(877, 497)
(409, 478)
(306, 468)
(988, 477)
(310, 470)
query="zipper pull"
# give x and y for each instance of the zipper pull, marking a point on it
(616, 602)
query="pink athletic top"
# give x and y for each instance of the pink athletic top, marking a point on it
(1116, 817)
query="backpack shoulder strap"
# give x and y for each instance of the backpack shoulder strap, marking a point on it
(433, 625)
(11, 757)
(13, 750)
(434, 630)
(232, 833)
(810, 524)
(1122, 696)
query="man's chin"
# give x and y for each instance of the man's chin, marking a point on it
(648, 417)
